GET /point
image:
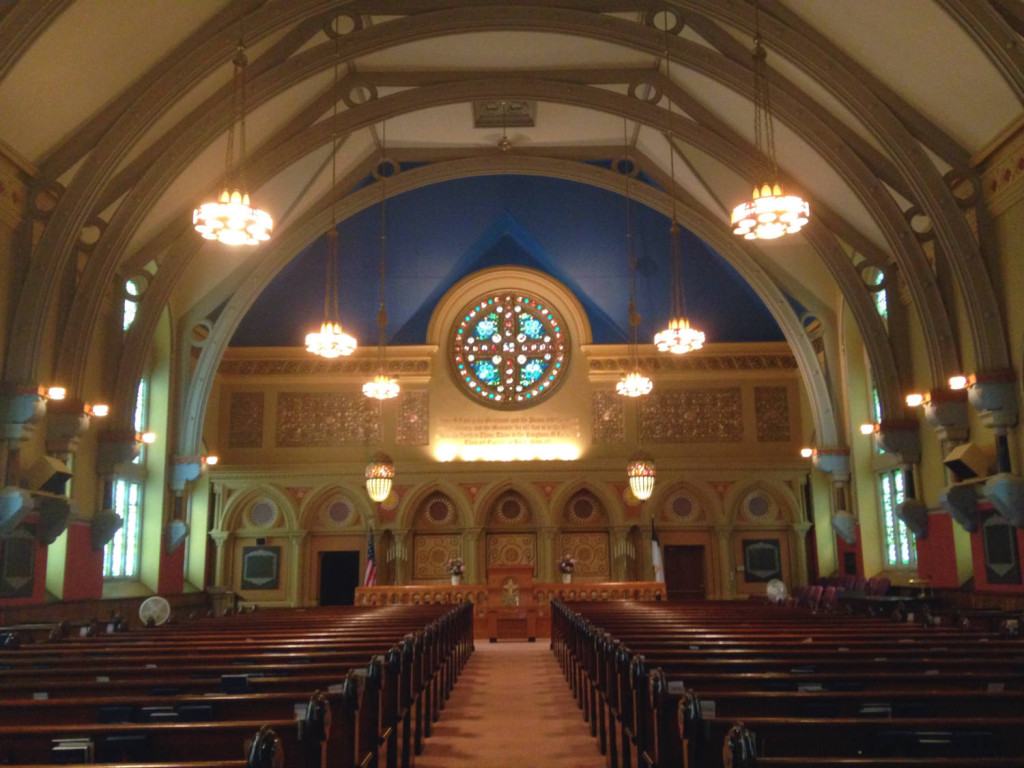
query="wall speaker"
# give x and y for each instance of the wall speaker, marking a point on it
(967, 461)
(49, 475)
(961, 502)
(261, 542)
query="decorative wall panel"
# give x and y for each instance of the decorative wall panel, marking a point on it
(510, 510)
(437, 510)
(261, 567)
(607, 417)
(692, 416)
(413, 418)
(584, 508)
(246, 420)
(771, 405)
(762, 560)
(431, 553)
(511, 549)
(591, 552)
(325, 419)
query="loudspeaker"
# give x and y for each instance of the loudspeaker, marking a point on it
(54, 516)
(261, 542)
(49, 475)
(1006, 493)
(914, 514)
(967, 461)
(105, 524)
(961, 502)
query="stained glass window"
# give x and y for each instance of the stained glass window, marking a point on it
(509, 350)
(121, 555)
(899, 541)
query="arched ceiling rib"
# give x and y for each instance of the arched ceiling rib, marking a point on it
(139, 157)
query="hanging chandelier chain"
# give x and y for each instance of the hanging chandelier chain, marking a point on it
(333, 267)
(382, 317)
(240, 63)
(764, 129)
(678, 295)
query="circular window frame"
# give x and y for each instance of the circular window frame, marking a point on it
(494, 396)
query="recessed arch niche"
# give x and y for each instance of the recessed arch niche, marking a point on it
(511, 531)
(584, 535)
(436, 538)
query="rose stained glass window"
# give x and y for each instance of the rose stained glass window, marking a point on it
(509, 350)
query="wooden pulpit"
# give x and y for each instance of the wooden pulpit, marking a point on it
(511, 605)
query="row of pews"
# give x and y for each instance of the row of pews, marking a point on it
(317, 688)
(739, 685)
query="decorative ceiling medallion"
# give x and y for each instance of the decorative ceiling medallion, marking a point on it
(759, 506)
(438, 510)
(509, 350)
(682, 506)
(584, 508)
(339, 512)
(263, 513)
(510, 509)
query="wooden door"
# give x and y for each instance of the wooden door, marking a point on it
(684, 572)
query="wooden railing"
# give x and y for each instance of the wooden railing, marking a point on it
(537, 597)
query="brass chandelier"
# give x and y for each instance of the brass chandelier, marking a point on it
(770, 213)
(331, 341)
(231, 218)
(680, 337)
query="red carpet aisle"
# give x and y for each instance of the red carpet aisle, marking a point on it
(511, 709)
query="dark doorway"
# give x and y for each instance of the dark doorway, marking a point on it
(339, 577)
(684, 572)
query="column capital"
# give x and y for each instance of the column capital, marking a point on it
(834, 460)
(994, 395)
(219, 537)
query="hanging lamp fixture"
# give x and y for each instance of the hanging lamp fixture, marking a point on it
(382, 387)
(231, 218)
(380, 472)
(634, 383)
(641, 473)
(331, 341)
(680, 337)
(770, 213)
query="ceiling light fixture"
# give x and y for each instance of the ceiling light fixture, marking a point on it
(679, 338)
(331, 341)
(634, 383)
(770, 213)
(383, 387)
(231, 219)
(641, 473)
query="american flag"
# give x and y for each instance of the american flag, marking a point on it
(370, 579)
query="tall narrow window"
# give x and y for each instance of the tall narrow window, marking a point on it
(876, 411)
(139, 420)
(881, 297)
(121, 555)
(131, 304)
(899, 541)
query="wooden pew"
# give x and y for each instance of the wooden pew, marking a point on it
(416, 673)
(628, 684)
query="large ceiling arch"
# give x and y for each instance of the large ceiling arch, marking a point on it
(131, 160)
(698, 221)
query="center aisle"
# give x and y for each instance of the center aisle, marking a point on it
(511, 708)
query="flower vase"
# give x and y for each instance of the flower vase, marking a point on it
(456, 578)
(567, 578)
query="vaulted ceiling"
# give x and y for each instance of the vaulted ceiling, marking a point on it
(883, 107)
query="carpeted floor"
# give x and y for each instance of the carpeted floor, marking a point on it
(511, 708)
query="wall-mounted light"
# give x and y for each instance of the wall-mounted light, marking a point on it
(210, 460)
(915, 399)
(99, 410)
(56, 393)
(148, 437)
(868, 429)
(958, 382)
(807, 452)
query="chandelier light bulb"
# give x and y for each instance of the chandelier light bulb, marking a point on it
(381, 388)
(770, 214)
(634, 384)
(232, 220)
(330, 342)
(679, 338)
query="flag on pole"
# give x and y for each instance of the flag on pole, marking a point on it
(659, 568)
(370, 579)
